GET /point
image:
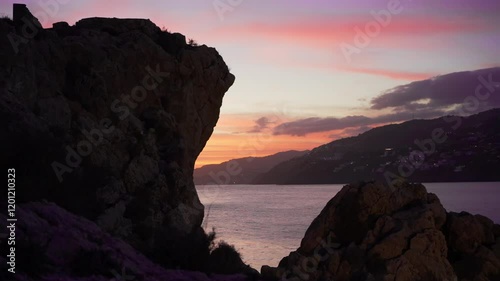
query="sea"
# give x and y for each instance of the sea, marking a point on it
(266, 222)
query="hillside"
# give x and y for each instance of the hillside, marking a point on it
(241, 170)
(467, 150)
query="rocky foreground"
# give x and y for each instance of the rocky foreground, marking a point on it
(371, 231)
(368, 231)
(56, 245)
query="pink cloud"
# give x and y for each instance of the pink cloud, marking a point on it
(325, 32)
(398, 75)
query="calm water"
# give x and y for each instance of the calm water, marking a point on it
(266, 222)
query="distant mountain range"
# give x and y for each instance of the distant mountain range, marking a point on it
(241, 170)
(446, 149)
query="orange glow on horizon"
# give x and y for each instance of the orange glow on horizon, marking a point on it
(224, 147)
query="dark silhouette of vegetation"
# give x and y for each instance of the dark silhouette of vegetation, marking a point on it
(5, 18)
(201, 253)
(211, 240)
(192, 42)
(225, 259)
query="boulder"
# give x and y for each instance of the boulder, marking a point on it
(371, 231)
(21, 16)
(60, 25)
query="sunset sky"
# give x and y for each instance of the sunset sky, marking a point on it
(303, 75)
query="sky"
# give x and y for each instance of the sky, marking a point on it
(310, 72)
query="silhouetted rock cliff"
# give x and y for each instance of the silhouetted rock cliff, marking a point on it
(106, 119)
(371, 231)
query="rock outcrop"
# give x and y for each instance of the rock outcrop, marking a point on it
(106, 118)
(370, 231)
(473, 246)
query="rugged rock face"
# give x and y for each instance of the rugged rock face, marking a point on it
(370, 231)
(106, 119)
(473, 246)
(57, 245)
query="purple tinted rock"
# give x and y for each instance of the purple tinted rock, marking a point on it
(67, 247)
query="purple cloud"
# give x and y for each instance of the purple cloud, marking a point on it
(260, 124)
(424, 99)
(306, 126)
(442, 92)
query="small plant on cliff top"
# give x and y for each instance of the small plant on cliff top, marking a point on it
(191, 42)
(5, 17)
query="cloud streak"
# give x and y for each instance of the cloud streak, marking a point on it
(303, 127)
(349, 132)
(325, 31)
(260, 124)
(398, 75)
